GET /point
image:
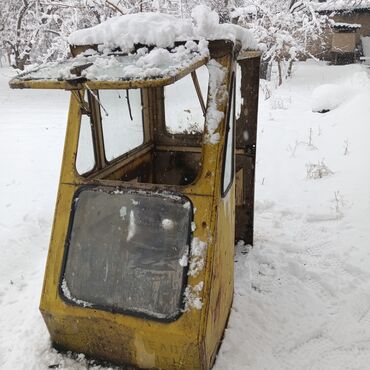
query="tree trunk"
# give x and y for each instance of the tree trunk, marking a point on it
(290, 67)
(265, 70)
(280, 72)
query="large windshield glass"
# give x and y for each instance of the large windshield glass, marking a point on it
(124, 251)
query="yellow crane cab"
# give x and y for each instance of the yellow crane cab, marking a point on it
(156, 184)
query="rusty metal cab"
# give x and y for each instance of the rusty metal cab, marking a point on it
(140, 264)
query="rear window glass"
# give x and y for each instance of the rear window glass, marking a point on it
(183, 110)
(122, 121)
(124, 251)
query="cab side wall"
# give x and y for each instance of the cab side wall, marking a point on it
(222, 277)
(220, 263)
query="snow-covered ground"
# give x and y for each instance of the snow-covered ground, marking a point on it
(302, 296)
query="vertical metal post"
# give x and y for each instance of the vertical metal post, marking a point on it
(246, 140)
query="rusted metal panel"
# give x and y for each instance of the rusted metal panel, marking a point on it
(239, 187)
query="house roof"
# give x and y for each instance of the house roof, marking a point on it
(343, 6)
(340, 26)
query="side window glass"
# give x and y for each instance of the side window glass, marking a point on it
(122, 121)
(229, 149)
(183, 111)
(85, 160)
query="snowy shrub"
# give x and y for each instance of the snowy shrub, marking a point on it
(339, 204)
(281, 103)
(317, 171)
(266, 88)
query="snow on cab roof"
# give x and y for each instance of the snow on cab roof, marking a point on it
(161, 30)
(131, 49)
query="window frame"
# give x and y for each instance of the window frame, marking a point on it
(97, 133)
(232, 106)
(112, 309)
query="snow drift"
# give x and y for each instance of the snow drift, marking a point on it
(330, 96)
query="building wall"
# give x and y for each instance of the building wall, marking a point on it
(344, 42)
(332, 41)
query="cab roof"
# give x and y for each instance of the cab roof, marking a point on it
(95, 70)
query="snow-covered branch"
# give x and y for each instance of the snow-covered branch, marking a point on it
(36, 30)
(286, 31)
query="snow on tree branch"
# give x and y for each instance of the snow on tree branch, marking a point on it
(286, 31)
(36, 31)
